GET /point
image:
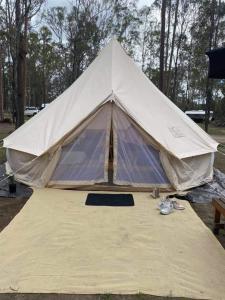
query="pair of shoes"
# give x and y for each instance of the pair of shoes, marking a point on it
(165, 206)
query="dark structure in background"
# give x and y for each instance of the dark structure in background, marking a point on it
(216, 63)
(199, 115)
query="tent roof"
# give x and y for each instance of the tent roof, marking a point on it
(113, 73)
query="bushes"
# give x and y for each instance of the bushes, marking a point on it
(6, 120)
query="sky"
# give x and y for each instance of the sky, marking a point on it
(66, 2)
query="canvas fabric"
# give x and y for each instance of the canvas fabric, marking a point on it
(32, 170)
(189, 172)
(38, 170)
(56, 244)
(185, 150)
(113, 73)
(154, 166)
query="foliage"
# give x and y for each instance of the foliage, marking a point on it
(67, 39)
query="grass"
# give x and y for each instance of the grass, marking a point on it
(213, 130)
(218, 133)
(5, 130)
(219, 162)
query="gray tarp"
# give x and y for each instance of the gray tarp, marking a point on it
(206, 192)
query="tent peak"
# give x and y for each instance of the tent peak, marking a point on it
(112, 44)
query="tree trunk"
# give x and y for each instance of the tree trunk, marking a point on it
(168, 34)
(189, 68)
(172, 45)
(143, 46)
(25, 54)
(21, 82)
(162, 46)
(209, 82)
(45, 90)
(174, 89)
(20, 60)
(1, 86)
(15, 63)
(217, 24)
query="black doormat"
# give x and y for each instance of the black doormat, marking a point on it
(110, 199)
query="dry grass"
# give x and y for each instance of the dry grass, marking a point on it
(5, 130)
(214, 130)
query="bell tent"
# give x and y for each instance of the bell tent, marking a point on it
(111, 128)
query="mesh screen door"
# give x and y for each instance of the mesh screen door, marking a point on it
(136, 162)
(85, 159)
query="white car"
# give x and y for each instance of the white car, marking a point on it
(43, 106)
(199, 115)
(30, 111)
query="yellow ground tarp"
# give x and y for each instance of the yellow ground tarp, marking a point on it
(56, 244)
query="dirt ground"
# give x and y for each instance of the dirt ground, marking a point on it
(206, 213)
(9, 208)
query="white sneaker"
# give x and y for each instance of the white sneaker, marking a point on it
(166, 207)
(177, 205)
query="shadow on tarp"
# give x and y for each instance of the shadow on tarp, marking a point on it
(15, 296)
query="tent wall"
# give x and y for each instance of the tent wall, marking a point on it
(37, 170)
(29, 169)
(163, 169)
(189, 172)
(168, 170)
(49, 140)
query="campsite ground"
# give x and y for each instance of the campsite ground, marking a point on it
(10, 207)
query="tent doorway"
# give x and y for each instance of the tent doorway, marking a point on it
(110, 150)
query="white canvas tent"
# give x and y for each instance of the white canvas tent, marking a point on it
(112, 108)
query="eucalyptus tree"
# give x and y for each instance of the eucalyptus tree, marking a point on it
(17, 16)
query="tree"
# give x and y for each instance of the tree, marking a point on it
(172, 45)
(54, 54)
(17, 16)
(162, 45)
(209, 83)
(1, 85)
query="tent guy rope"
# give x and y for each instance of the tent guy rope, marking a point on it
(221, 152)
